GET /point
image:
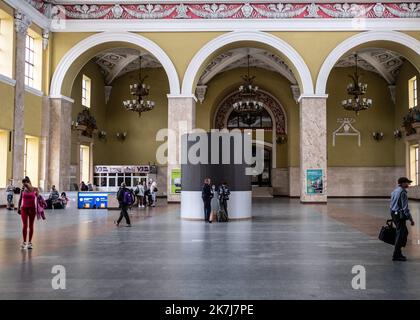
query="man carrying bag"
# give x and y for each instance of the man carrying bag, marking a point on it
(400, 213)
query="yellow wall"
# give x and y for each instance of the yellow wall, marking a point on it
(407, 72)
(97, 109)
(7, 94)
(379, 118)
(33, 114)
(140, 145)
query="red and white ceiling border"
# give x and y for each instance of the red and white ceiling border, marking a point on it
(227, 10)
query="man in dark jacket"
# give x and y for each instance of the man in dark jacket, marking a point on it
(123, 205)
(400, 213)
(207, 195)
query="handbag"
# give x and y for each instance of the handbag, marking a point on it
(388, 233)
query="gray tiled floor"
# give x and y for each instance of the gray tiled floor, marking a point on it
(288, 251)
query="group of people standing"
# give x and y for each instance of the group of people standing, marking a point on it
(215, 201)
(143, 195)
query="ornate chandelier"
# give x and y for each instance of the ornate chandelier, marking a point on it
(248, 106)
(356, 89)
(139, 90)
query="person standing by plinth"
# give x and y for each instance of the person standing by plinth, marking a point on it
(400, 213)
(207, 195)
(224, 194)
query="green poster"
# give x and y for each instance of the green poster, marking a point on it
(176, 181)
(314, 181)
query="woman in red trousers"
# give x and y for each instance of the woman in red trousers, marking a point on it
(27, 209)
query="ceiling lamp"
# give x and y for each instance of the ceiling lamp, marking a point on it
(139, 90)
(356, 89)
(248, 106)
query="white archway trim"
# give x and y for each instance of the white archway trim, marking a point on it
(356, 40)
(97, 39)
(256, 36)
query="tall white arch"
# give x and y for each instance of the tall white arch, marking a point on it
(356, 40)
(104, 37)
(256, 36)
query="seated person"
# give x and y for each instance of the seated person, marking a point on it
(64, 200)
(53, 198)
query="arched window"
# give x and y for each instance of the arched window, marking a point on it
(262, 121)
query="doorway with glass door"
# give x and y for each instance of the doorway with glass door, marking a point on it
(263, 179)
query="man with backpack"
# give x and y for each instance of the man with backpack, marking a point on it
(125, 198)
(400, 213)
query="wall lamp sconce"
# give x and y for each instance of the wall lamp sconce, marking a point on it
(281, 139)
(121, 136)
(378, 136)
(102, 135)
(397, 134)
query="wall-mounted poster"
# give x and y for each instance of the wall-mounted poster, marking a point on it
(176, 181)
(314, 181)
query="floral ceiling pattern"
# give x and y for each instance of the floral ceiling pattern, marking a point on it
(245, 10)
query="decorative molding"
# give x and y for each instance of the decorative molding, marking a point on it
(356, 40)
(7, 80)
(108, 90)
(30, 11)
(295, 92)
(22, 22)
(270, 104)
(34, 91)
(312, 96)
(275, 43)
(76, 51)
(227, 25)
(237, 10)
(61, 97)
(392, 92)
(346, 129)
(200, 92)
(45, 39)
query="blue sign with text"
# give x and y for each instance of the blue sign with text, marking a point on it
(92, 200)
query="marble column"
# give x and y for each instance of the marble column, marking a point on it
(313, 144)
(44, 144)
(181, 119)
(60, 143)
(22, 24)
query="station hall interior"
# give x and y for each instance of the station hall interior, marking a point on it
(86, 88)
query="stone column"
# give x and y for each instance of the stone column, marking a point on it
(313, 144)
(22, 23)
(181, 119)
(44, 144)
(60, 143)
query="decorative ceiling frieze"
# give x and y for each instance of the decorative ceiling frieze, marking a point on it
(384, 62)
(118, 61)
(237, 10)
(237, 58)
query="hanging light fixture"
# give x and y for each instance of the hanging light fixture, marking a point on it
(139, 91)
(356, 89)
(248, 106)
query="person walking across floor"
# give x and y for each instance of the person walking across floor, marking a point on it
(224, 194)
(10, 193)
(27, 208)
(139, 192)
(206, 195)
(125, 198)
(400, 213)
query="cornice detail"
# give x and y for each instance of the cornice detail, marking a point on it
(237, 10)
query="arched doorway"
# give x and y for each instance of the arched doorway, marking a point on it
(272, 120)
(122, 50)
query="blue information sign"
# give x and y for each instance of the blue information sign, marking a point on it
(92, 200)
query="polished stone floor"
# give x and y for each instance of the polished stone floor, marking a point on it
(288, 251)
